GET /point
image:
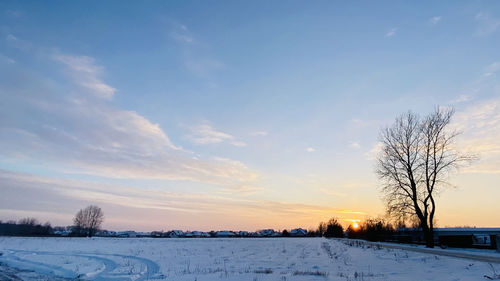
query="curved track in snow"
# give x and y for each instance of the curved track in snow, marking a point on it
(108, 267)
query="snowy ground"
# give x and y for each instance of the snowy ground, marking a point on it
(225, 259)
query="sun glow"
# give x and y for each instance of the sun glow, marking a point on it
(355, 225)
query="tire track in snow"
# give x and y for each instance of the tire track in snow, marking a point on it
(14, 261)
(106, 273)
(151, 270)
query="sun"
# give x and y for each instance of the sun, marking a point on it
(355, 225)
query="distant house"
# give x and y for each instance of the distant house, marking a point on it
(103, 233)
(126, 234)
(157, 234)
(106, 233)
(62, 232)
(269, 233)
(176, 234)
(298, 232)
(200, 234)
(225, 234)
(196, 234)
(243, 233)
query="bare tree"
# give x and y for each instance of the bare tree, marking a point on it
(416, 158)
(28, 221)
(87, 221)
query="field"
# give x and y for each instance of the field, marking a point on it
(225, 259)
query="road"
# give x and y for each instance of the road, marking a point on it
(433, 251)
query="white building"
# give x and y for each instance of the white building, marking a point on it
(127, 234)
(298, 232)
(176, 234)
(225, 234)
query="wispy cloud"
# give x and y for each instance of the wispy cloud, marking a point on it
(85, 72)
(127, 203)
(11, 38)
(492, 69)
(391, 32)
(181, 33)
(205, 133)
(13, 13)
(486, 24)
(196, 59)
(327, 185)
(18, 43)
(6, 59)
(259, 133)
(79, 133)
(355, 145)
(462, 98)
(374, 151)
(203, 67)
(480, 124)
(435, 20)
(332, 192)
(359, 122)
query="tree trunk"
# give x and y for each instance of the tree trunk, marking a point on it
(428, 236)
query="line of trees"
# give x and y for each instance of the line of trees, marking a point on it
(86, 223)
(25, 227)
(331, 228)
(373, 229)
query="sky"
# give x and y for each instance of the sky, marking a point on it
(237, 114)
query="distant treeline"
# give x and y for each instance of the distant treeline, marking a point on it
(372, 230)
(25, 227)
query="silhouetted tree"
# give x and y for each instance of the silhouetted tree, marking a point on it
(377, 230)
(322, 228)
(46, 229)
(355, 232)
(333, 229)
(28, 221)
(416, 158)
(87, 221)
(9, 228)
(27, 226)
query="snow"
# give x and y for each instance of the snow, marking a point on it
(230, 259)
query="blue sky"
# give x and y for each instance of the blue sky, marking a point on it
(234, 114)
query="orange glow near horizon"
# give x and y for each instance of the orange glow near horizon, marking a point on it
(354, 223)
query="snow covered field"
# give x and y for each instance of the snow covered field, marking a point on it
(228, 259)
